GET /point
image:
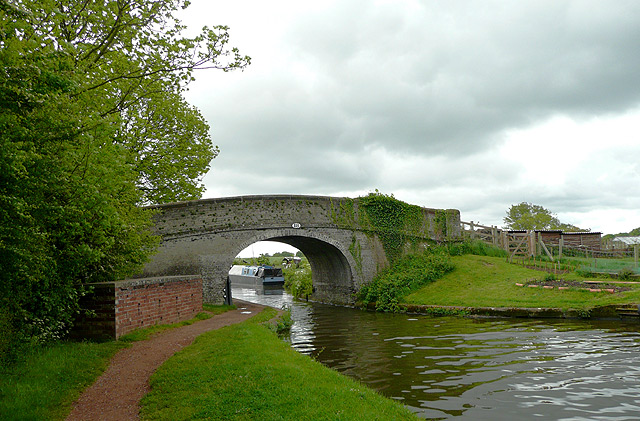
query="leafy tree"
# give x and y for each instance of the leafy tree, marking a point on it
(92, 124)
(136, 65)
(263, 260)
(527, 216)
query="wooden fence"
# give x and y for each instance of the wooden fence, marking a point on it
(554, 244)
(516, 243)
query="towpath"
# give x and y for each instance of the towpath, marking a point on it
(117, 392)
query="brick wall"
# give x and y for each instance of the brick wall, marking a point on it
(120, 307)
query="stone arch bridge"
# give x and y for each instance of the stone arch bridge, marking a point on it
(344, 249)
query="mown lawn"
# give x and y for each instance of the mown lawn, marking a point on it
(481, 281)
(244, 372)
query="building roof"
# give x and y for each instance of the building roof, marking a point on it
(628, 240)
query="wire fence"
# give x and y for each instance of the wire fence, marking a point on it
(529, 249)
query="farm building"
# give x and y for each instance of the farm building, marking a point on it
(590, 240)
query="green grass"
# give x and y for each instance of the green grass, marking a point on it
(44, 384)
(482, 281)
(244, 372)
(600, 265)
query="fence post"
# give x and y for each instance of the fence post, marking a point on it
(473, 230)
(635, 254)
(505, 244)
(560, 244)
(494, 235)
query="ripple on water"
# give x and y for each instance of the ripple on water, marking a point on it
(455, 368)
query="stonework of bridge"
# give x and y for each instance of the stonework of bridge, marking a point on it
(204, 236)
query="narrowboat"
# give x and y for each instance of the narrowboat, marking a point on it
(256, 275)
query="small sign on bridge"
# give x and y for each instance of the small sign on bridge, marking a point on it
(296, 225)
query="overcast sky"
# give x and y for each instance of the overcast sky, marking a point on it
(471, 105)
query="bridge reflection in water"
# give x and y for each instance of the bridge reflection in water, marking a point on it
(490, 369)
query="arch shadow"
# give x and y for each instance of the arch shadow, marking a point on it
(332, 267)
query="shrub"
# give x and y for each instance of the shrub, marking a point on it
(283, 324)
(298, 282)
(585, 273)
(625, 273)
(408, 274)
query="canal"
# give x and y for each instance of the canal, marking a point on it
(475, 369)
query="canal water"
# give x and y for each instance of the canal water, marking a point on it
(475, 369)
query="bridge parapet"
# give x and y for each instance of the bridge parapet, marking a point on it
(284, 211)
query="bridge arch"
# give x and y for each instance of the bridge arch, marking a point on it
(204, 236)
(333, 268)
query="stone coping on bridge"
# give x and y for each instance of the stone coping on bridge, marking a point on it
(242, 198)
(283, 196)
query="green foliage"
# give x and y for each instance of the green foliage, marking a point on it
(283, 324)
(356, 252)
(625, 273)
(93, 124)
(476, 247)
(391, 219)
(131, 65)
(283, 254)
(527, 216)
(263, 260)
(297, 280)
(443, 311)
(633, 233)
(584, 313)
(585, 273)
(406, 275)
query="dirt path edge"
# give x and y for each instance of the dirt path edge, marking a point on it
(117, 392)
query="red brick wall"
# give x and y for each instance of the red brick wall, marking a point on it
(123, 306)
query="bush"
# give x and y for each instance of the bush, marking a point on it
(297, 281)
(283, 324)
(624, 274)
(408, 274)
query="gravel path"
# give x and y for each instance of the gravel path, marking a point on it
(117, 392)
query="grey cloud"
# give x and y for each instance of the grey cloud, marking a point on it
(414, 98)
(458, 73)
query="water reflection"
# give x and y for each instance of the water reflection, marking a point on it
(444, 368)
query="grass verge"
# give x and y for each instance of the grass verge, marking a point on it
(44, 384)
(244, 372)
(483, 281)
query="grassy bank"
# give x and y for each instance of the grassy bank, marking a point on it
(46, 381)
(483, 281)
(245, 372)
